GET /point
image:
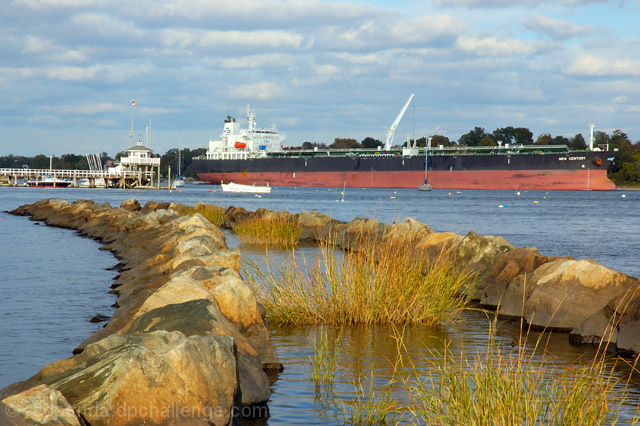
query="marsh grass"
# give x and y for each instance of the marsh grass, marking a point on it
(494, 384)
(515, 385)
(213, 214)
(382, 283)
(279, 232)
(370, 406)
(325, 357)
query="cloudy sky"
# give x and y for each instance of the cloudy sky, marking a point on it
(318, 69)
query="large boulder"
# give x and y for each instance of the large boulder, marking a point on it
(157, 378)
(39, 405)
(565, 293)
(203, 318)
(314, 226)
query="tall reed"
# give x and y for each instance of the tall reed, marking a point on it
(213, 214)
(279, 232)
(507, 386)
(325, 357)
(382, 283)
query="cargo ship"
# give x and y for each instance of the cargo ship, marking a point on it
(257, 156)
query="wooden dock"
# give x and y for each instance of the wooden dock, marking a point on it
(138, 179)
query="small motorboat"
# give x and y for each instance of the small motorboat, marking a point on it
(48, 182)
(253, 189)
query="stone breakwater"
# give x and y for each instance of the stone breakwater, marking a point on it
(590, 302)
(186, 345)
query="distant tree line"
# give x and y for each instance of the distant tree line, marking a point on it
(625, 169)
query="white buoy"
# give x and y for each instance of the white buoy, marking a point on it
(624, 196)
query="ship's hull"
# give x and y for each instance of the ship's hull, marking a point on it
(551, 171)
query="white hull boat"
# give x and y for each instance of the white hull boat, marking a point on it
(254, 189)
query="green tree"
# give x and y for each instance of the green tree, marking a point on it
(370, 142)
(619, 140)
(505, 134)
(472, 138)
(345, 143)
(487, 141)
(601, 139)
(523, 136)
(560, 140)
(577, 142)
(437, 140)
(312, 145)
(544, 139)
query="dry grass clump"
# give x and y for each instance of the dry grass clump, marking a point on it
(507, 386)
(213, 214)
(382, 283)
(280, 232)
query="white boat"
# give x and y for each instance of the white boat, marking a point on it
(48, 182)
(236, 187)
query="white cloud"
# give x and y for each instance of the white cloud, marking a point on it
(384, 34)
(491, 4)
(280, 13)
(88, 108)
(262, 91)
(557, 29)
(592, 66)
(107, 25)
(34, 44)
(493, 46)
(73, 73)
(226, 40)
(57, 4)
(274, 60)
(45, 119)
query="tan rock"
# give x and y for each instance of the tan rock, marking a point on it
(41, 405)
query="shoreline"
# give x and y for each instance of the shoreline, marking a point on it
(174, 267)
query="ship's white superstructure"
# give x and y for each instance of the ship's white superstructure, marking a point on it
(240, 144)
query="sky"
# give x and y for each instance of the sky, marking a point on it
(318, 69)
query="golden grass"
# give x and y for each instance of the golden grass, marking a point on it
(507, 386)
(278, 232)
(213, 214)
(383, 283)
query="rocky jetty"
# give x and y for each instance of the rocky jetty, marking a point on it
(186, 344)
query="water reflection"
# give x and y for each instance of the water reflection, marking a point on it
(368, 357)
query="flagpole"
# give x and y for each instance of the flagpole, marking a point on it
(133, 107)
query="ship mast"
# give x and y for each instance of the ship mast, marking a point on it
(392, 129)
(251, 118)
(591, 137)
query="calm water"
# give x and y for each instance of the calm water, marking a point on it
(52, 281)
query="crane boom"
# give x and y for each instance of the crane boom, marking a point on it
(392, 129)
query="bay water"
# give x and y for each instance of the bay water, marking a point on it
(52, 282)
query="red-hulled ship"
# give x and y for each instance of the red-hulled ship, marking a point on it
(256, 156)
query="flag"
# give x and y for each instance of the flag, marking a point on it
(133, 103)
